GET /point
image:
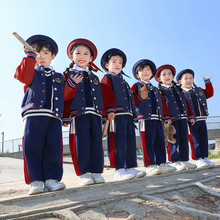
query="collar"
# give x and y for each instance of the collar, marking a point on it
(49, 67)
(187, 90)
(75, 67)
(113, 73)
(148, 83)
(166, 86)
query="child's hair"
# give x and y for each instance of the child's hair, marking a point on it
(72, 63)
(142, 66)
(112, 55)
(42, 43)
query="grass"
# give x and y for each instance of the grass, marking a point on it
(214, 156)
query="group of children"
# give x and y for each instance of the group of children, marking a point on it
(77, 98)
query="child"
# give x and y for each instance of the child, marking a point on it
(120, 111)
(196, 97)
(151, 109)
(179, 111)
(42, 109)
(85, 108)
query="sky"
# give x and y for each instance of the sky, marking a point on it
(182, 33)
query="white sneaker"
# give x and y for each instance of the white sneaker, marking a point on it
(165, 168)
(36, 187)
(53, 185)
(178, 166)
(188, 165)
(122, 174)
(210, 163)
(137, 173)
(153, 170)
(86, 179)
(97, 178)
(201, 163)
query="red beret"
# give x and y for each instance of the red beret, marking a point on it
(85, 42)
(166, 66)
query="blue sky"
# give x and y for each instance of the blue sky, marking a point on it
(183, 33)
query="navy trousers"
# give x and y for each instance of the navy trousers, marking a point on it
(153, 144)
(122, 142)
(42, 149)
(86, 144)
(199, 140)
(180, 150)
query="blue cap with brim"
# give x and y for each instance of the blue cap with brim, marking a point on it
(148, 62)
(39, 37)
(108, 52)
(183, 72)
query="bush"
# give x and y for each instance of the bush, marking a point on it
(214, 156)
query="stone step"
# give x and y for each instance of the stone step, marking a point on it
(76, 199)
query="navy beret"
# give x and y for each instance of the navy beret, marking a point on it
(184, 71)
(148, 62)
(45, 38)
(113, 50)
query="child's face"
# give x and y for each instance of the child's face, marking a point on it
(81, 56)
(45, 58)
(114, 64)
(187, 80)
(166, 77)
(145, 74)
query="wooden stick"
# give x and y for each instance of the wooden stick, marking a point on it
(105, 131)
(24, 43)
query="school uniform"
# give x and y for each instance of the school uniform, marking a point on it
(118, 98)
(42, 109)
(179, 112)
(198, 136)
(150, 112)
(85, 122)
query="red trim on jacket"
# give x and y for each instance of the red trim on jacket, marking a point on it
(108, 94)
(25, 71)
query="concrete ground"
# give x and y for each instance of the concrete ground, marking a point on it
(155, 197)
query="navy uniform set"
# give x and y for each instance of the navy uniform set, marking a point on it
(196, 97)
(118, 98)
(179, 113)
(42, 109)
(150, 113)
(85, 117)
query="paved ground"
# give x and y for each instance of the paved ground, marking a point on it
(179, 195)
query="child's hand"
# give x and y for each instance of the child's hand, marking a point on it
(111, 116)
(206, 77)
(26, 50)
(77, 78)
(65, 125)
(192, 121)
(144, 95)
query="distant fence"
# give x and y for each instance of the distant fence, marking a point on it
(15, 145)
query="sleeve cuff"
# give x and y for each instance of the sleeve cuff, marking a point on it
(71, 83)
(190, 117)
(31, 55)
(167, 117)
(207, 81)
(111, 109)
(66, 120)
